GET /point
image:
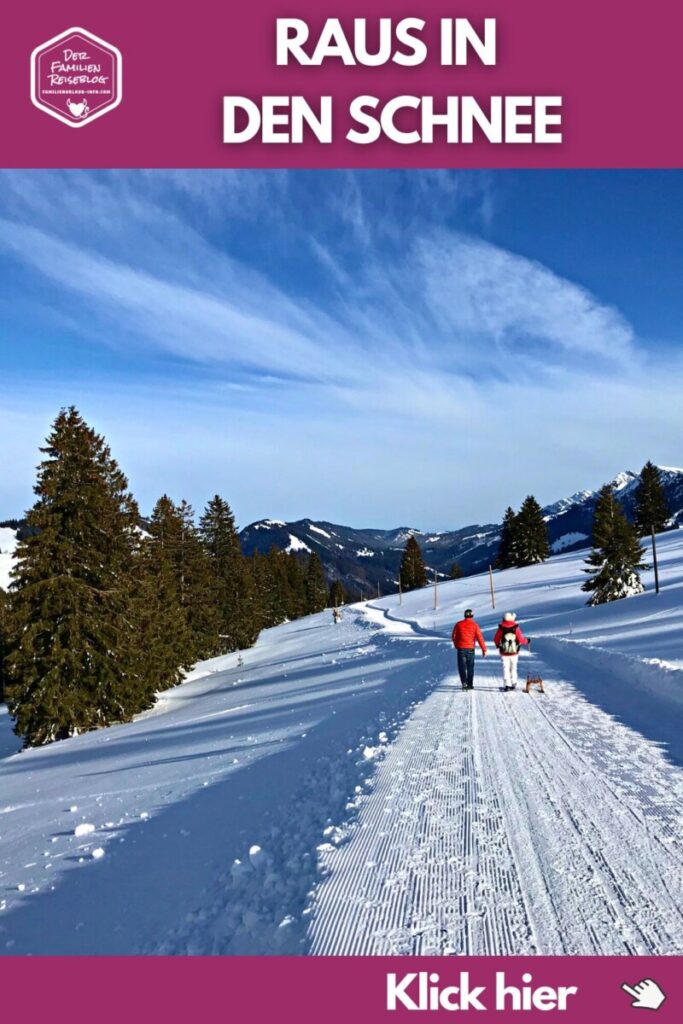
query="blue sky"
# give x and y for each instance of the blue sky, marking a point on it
(372, 348)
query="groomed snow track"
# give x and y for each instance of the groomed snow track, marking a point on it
(501, 823)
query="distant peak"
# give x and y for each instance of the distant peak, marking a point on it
(564, 504)
(266, 524)
(623, 479)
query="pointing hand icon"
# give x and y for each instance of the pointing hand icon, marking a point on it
(647, 995)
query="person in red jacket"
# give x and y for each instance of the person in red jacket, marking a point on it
(465, 634)
(508, 639)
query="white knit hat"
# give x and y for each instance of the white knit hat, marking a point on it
(509, 616)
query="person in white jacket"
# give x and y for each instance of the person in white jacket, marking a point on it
(509, 639)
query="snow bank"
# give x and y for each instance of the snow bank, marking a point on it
(179, 796)
(657, 678)
(262, 903)
(8, 544)
(644, 693)
(388, 621)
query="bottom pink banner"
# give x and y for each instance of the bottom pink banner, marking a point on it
(341, 990)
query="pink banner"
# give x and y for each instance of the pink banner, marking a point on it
(338, 990)
(617, 76)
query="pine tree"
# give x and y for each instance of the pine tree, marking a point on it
(249, 605)
(507, 551)
(196, 587)
(337, 594)
(316, 585)
(192, 566)
(652, 506)
(164, 630)
(264, 586)
(296, 592)
(233, 584)
(281, 601)
(76, 666)
(413, 570)
(616, 558)
(530, 534)
(604, 514)
(456, 572)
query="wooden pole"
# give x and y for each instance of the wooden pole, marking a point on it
(493, 589)
(654, 560)
(378, 591)
(400, 590)
(436, 590)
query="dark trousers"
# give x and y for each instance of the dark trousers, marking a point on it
(466, 666)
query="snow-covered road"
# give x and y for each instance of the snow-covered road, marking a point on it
(510, 824)
(339, 794)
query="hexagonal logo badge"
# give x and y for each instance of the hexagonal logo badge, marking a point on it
(76, 77)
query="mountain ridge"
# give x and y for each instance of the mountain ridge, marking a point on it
(367, 559)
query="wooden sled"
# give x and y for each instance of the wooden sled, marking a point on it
(532, 681)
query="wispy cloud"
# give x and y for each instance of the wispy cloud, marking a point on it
(349, 322)
(250, 325)
(493, 296)
(449, 296)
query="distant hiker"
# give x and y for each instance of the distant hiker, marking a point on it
(508, 640)
(336, 615)
(465, 634)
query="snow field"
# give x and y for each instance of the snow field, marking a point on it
(259, 903)
(339, 794)
(180, 797)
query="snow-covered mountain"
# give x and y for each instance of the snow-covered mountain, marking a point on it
(365, 558)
